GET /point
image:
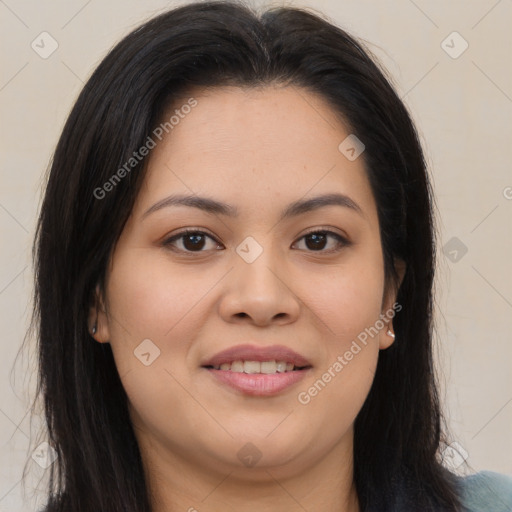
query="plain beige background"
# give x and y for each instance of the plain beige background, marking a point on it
(462, 103)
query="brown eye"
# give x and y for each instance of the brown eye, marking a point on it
(317, 241)
(189, 241)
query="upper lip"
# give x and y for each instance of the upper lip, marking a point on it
(255, 353)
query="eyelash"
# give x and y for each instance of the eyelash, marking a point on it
(342, 242)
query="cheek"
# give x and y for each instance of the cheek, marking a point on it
(150, 295)
(349, 306)
(331, 401)
(347, 298)
(150, 299)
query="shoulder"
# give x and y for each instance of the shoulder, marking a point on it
(486, 491)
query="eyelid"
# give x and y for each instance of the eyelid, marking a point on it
(326, 229)
(187, 230)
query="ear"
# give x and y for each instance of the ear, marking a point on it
(98, 317)
(389, 305)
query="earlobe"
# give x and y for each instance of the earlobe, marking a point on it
(97, 320)
(391, 334)
(387, 339)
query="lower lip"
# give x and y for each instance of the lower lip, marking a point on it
(259, 384)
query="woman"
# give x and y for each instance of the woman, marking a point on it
(235, 258)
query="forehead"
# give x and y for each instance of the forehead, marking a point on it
(251, 145)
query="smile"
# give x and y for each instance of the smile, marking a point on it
(266, 367)
(258, 378)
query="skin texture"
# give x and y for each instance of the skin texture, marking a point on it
(258, 150)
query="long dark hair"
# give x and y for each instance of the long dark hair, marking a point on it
(400, 428)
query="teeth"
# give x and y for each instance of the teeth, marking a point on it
(252, 367)
(237, 366)
(269, 367)
(281, 366)
(266, 367)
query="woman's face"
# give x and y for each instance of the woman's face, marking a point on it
(254, 276)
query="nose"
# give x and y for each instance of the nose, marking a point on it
(259, 293)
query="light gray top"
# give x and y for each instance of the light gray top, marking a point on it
(487, 491)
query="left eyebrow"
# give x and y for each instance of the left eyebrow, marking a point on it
(213, 206)
(306, 205)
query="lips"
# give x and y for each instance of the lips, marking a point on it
(239, 368)
(261, 354)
